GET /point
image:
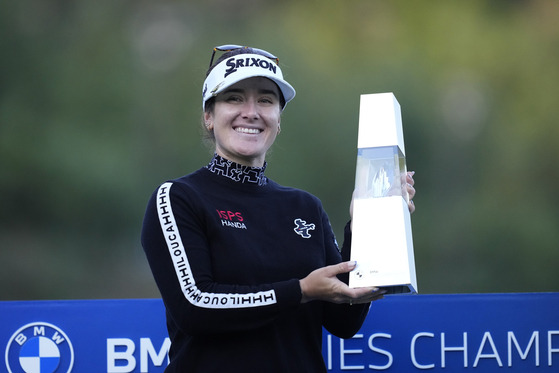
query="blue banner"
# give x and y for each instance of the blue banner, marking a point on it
(403, 333)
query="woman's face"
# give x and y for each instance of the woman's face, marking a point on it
(246, 120)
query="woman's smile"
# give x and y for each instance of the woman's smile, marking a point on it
(246, 130)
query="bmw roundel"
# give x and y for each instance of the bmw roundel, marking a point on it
(39, 347)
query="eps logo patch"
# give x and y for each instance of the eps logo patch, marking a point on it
(39, 347)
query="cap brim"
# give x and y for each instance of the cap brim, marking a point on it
(241, 67)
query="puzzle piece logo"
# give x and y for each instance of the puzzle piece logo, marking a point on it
(302, 228)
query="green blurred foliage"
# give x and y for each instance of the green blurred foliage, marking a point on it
(101, 101)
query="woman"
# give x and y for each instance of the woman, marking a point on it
(248, 269)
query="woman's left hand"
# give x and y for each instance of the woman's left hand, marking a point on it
(411, 190)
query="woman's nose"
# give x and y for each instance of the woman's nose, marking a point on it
(250, 109)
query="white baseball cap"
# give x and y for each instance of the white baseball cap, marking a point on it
(243, 66)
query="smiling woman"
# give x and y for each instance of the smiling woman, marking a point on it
(248, 269)
(245, 120)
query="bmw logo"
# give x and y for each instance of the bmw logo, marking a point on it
(39, 348)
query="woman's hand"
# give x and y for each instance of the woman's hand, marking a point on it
(322, 284)
(411, 190)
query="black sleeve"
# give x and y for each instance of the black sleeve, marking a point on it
(173, 238)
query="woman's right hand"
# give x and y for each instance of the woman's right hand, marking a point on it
(322, 284)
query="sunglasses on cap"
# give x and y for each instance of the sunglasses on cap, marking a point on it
(232, 47)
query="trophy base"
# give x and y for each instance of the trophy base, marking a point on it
(398, 289)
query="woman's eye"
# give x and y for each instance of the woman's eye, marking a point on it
(234, 99)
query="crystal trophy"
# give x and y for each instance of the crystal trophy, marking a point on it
(382, 242)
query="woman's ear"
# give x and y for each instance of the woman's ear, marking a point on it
(208, 120)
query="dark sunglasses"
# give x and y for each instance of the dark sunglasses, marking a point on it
(232, 47)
